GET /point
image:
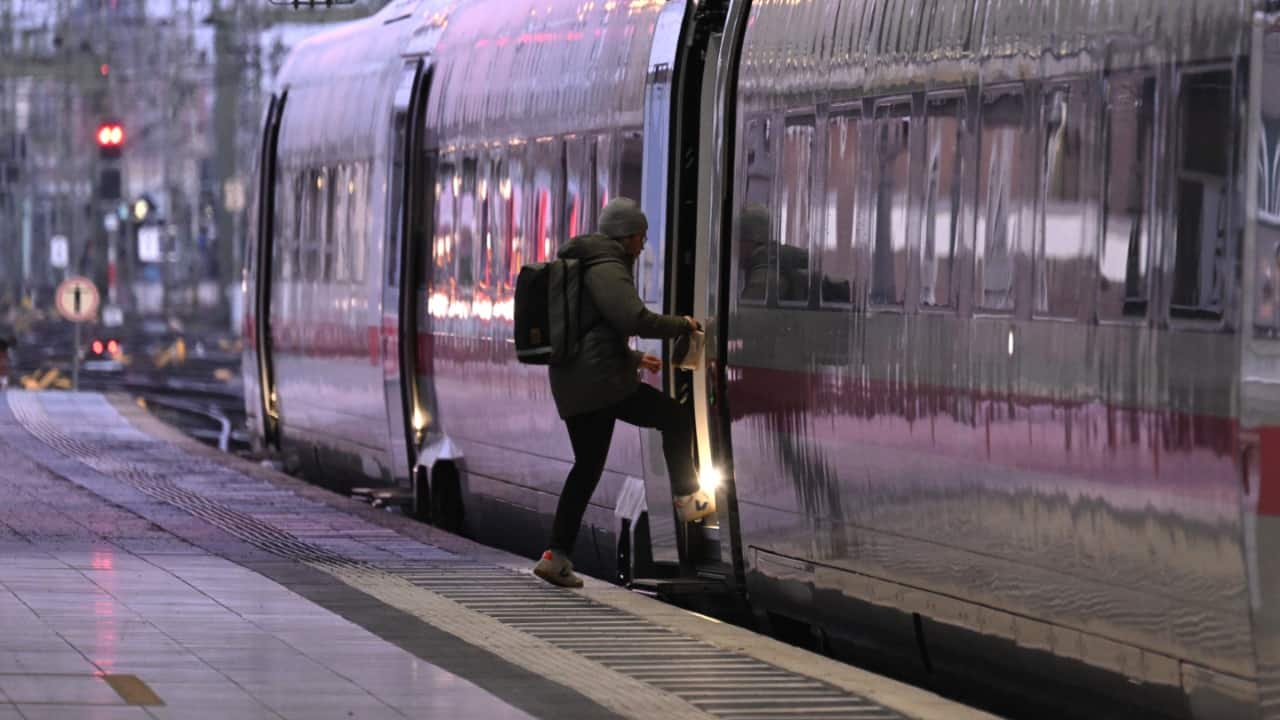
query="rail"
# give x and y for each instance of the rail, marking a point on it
(225, 432)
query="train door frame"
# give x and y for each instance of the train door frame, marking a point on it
(663, 543)
(712, 274)
(685, 81)
(262, 280)
(406, 416)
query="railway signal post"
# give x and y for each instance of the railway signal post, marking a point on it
(77, 301)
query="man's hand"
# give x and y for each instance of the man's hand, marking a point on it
(651, 363)
(693, 323)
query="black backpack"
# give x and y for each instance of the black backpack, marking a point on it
(548, 309)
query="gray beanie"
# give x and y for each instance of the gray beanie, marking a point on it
(622, 218)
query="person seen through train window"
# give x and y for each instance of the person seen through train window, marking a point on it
(600, 385)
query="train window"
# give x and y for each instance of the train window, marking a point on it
(602, 170)
(498, 224)
(339, 229)
(420, 260)
(796, 185)
(466, 237)
(1002, 187)
(631, 166)
(285, 225)
(485, 255)
(944, 169)
(543, 175)
(358, 221)
(650, 265)
(328, 241)
(892, 191)
(1127, 220)
(755, 232)
(844, 145)
(578, 185)
(442, 248)
(1066, 233)
(302, 186)
(511, 189)
(1204, 261)
(312, 238)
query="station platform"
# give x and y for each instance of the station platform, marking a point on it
(144, 575)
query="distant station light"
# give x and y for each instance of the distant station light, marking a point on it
(110, 137)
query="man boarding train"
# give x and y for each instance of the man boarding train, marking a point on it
(598, 384)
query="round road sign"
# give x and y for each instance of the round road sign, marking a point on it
(77, 299)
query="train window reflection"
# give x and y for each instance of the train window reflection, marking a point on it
(1126, 239)
(1002, 196)
(1204, 257)
(844, 137)
(755, 232)
(944, 168)
(1066, 232)
(892, 189)
(793, 251)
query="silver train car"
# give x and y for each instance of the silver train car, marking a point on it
(992, 290)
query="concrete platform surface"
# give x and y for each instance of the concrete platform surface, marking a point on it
(143, 575)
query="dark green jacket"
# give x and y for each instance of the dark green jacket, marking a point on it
(605, 370)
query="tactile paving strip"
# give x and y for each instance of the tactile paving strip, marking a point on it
(618, 659)
(720, 683)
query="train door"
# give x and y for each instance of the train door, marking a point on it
(716, 113)
(398, 331)
(680, 104)
(264, 271)
(1259, 450)
(652, 269)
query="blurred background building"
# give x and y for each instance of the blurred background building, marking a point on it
(158, 219)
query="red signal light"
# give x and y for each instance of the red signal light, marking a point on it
(110, 135)
(104, 69)
(97, 347)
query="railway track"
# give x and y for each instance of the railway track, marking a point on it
(190, 381)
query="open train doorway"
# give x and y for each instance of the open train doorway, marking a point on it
(264, 272)
(405, 378)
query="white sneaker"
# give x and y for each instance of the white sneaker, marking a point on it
(696, 506)
(557, 570)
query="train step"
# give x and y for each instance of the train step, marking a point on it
(384, 497)
(678, 587)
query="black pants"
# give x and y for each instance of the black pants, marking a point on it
(590, 434)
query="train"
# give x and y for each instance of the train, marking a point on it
(992, 385)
